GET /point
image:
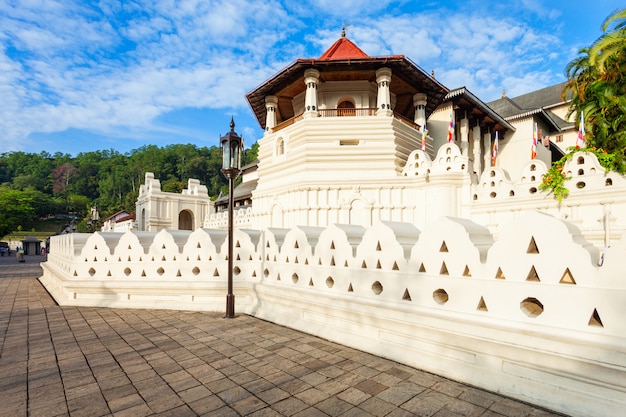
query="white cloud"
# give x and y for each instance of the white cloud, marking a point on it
(115, 67)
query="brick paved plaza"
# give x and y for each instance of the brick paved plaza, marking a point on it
(66, 361)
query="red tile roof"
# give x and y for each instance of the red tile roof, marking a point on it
(344, 48)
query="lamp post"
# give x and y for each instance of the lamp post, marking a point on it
(232, 145)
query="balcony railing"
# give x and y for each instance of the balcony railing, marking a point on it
(366, 111)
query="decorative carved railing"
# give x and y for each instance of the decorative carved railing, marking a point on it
(366, 111)
(360, 112)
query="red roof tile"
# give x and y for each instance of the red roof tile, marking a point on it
(344, 48)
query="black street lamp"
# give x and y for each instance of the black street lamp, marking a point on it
(232, 146)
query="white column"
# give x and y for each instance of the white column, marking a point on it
(419, 102)
(476, 139)
(487, 143)
(311, 78)
(383, 79)
(271, 104)
(465, 136)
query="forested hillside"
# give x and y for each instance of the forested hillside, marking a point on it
(38, 186)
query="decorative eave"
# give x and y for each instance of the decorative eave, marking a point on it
(547, 116)
(407, 80)
(465, 99)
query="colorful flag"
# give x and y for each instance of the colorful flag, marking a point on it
(451, 128)
(533, 149)
(424, 134)
(494, 151)
(580, 140)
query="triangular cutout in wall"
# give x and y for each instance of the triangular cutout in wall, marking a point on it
(595, 320)
(567, 278)
(481, 305)
(500, 274)
(532, 246)
(532, 275)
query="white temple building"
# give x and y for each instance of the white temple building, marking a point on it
(345, 143)
(378, 217)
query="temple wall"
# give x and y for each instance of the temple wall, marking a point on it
(527, 313)
(430, 188)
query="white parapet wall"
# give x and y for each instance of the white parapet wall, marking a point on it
(530, 315)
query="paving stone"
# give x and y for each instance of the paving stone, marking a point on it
(334, 406)
(376, 406)
(266, 412)
(290, 406)
(400, 393)
(312, 396)
(165, 403)
(79, 361)
(451, 388)
(464, 408)
(207, 404)
(195, 393)
(122, 403)
(310, 412)
(248, 405)
(180, 411)
(332, 387)
(422, 407)
(353, 396)
(273, 395)
(371, 387)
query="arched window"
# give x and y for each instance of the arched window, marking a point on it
(346, 108)
(185, 220)
(280, 146)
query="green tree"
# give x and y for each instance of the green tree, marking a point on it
(597, 85)
(16, 208)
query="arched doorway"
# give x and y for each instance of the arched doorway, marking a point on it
(185, 220)
(346, 108)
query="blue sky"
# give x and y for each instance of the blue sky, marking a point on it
(78, 75)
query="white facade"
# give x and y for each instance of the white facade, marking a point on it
(527, 312)
(157, 210)
(433, 258)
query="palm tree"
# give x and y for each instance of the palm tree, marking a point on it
(597, 85)
(610, 45)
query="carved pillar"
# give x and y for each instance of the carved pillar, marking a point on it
(419, 102)
(476, 142)
(271, 105)
(465, 136)
(311, 78)
(487, 147)
(383, 79)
